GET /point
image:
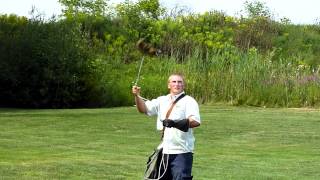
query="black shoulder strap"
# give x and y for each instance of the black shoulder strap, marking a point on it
(175, 102)
(178, 98)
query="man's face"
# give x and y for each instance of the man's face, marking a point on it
(175, 84)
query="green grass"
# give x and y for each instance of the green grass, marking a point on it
(231, 143)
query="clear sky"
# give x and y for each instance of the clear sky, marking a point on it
(298, 11)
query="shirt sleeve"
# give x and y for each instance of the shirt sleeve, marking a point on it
(192, 110)
(152, 107)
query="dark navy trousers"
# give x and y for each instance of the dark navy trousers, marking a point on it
(179, 166)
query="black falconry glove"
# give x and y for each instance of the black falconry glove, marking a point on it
(182, 125)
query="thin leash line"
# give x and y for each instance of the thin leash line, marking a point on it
(138, 76)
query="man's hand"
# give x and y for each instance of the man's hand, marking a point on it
(168, 123)
(141, 106)
(182, 125)
(135, 90)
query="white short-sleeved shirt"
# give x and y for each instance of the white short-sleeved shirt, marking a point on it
(175, 141)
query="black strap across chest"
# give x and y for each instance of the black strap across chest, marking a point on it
(175, 102)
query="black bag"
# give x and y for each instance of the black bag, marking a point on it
(153, 169)
(156, 165)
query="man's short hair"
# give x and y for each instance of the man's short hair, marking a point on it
(176, 74)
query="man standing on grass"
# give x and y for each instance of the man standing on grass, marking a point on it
(178, 139)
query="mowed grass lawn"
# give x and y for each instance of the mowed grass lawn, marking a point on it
(231, 143)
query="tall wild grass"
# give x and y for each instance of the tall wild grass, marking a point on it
(229, 76)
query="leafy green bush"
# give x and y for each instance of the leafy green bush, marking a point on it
(45, 65)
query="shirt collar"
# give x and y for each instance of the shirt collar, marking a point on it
(174, 97)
